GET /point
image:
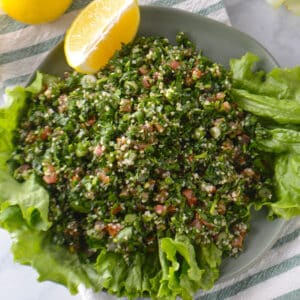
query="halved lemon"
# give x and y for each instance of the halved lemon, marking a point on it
(293, 6)
(98, 31)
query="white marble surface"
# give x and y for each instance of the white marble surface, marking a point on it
(19, 282)
(277, 30)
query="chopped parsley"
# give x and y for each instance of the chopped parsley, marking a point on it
(152, 146)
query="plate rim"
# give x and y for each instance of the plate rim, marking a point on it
(281, 223)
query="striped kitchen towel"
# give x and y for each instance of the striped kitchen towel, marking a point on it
(23, 47)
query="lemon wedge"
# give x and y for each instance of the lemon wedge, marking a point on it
(293, 6)
(34, 11)
(98, 31)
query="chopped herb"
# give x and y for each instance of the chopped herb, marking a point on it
(152, 146)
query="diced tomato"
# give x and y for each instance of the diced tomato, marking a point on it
(226, 106)
(76, 178)
(50, 179)
(91, 121)
(159, 127)
(191, 158)
(160, 209)
(103, 177)
(196, 73)
(190, 197)
(50, 175)
(46, 132)
(238, 242)
(116, 210)
(207, 224)
(98, 151)
(113, 229)
(145, 82)
(174, 64)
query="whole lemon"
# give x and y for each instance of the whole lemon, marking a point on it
(34, 11)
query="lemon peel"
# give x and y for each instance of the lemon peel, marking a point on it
(98, 31)
(34, 11)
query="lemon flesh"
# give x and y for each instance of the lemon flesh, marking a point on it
(98, 31)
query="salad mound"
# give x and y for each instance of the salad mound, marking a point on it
(140, 179)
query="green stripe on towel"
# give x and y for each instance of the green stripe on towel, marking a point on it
(11, 56)
(211, 9)
(78, 4)
(253, 280)
(294, 295)
(9, 25)
(16, 80)
(287, 238)
(167, 2)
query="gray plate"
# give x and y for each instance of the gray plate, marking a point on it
(220, 43)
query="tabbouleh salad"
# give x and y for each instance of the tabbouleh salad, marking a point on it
(148, 169)
(150, 147)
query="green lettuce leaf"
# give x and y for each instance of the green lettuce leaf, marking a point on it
(287, 170)
(281, 111)
(112, 271)
(10, 114)
(209, 258)
(243, 71)
(185, 269)
(281, 83)
(137, 278)
(178, 270)
(30, 196)
(175, 272)
(32, 199)
(281, 140)
(274, 96)
(33, 247)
